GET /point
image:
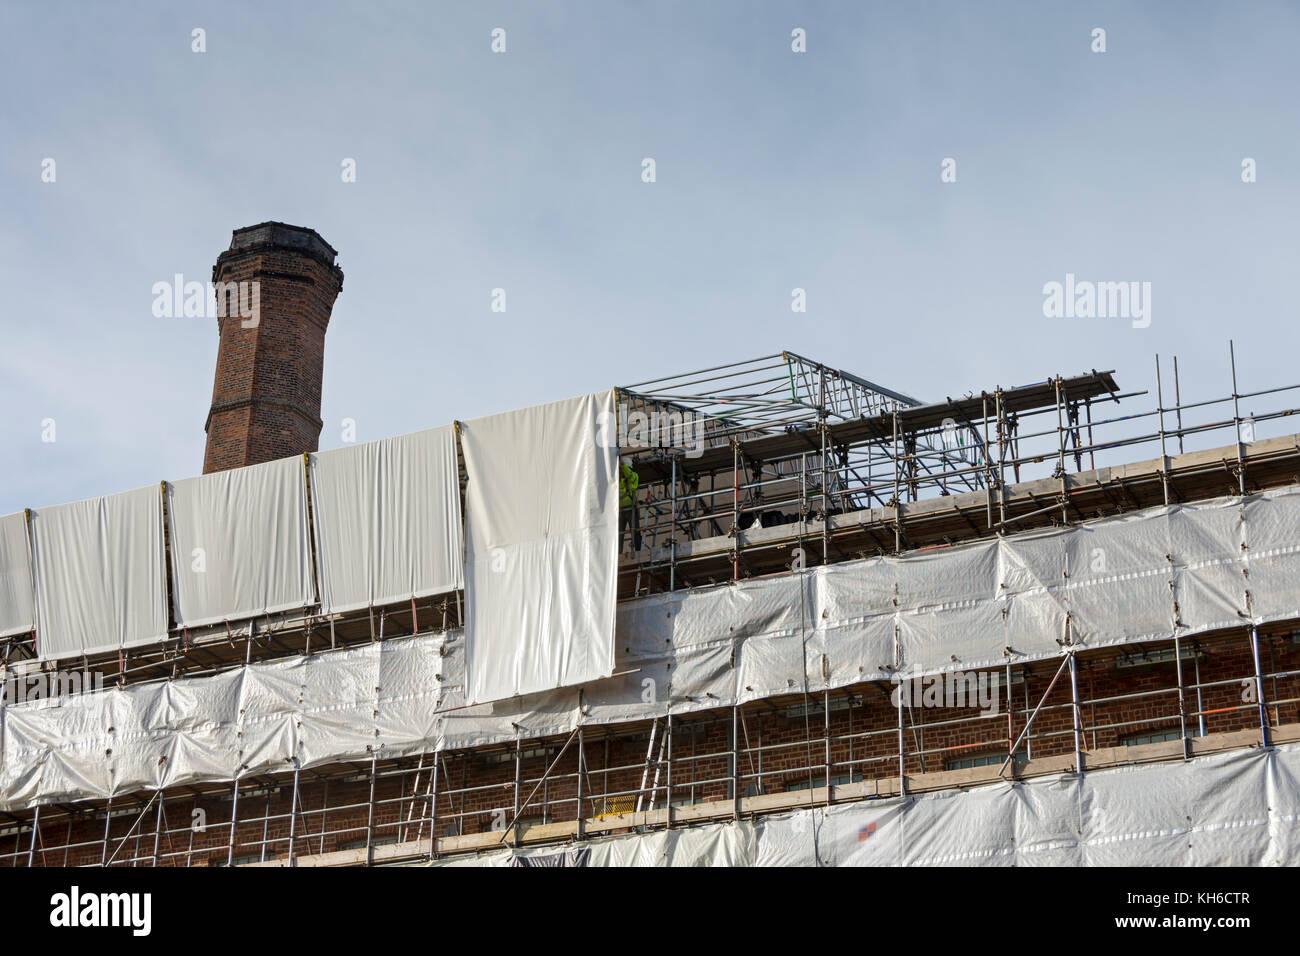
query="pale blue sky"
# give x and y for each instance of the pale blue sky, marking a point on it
(522, 171)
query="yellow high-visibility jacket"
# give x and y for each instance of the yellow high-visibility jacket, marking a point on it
(628, 480)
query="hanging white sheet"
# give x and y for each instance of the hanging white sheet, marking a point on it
(16, 605)
(239, 543)
(387, 520)
(99, 574)
(828, 627)
(541, 531)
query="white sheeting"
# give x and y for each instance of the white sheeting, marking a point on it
(541, 531)
(387, 520)
(99, 574)
(692, 651)
(1233, 809)
(16, 594)
(239, 543)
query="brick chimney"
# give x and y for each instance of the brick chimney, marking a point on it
(266, 396)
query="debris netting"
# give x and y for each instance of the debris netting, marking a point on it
(1141, 577)
(1240, 808)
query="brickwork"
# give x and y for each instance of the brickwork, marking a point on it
(266, 393)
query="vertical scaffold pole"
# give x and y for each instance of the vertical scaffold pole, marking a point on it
(1259, 687)
(189, 850)
(988, 465)
(266, 823)
(826, 496)
(1236, 423)
(902, 774)
(826, 732)
(1160, 417)
(1060, 455)
(293, 812)
(324, 813)
(1200, 703)
(1074, 699)
(433, 810)
(582, 762)
(668, 798)
(108, 819)
(1182, 699)
(1011, 727)
(370, 811)
(672, 533)
(898, 502)
(31, 846)
(735, 509)
(519, 761)
(1178, 406)
(1002, 455)
(157, 829)
(234, 816)
(902, 752)
(735, 762)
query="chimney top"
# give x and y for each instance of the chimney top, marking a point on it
(266, 236)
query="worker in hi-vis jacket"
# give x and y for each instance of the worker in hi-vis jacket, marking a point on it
(628, 480)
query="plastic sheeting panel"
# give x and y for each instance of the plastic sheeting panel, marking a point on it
(541, 532)
(1233, 809)
(702, 649)
(239, 543)
(99, 574)
(16, 604)
(387, 520)
(258, 718)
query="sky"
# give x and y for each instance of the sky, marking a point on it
(522, 170)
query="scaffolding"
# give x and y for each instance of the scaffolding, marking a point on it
(795, 456)
(789, 471)
(1161, 701)
(794, 481)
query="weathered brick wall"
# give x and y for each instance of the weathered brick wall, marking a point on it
(266, 393)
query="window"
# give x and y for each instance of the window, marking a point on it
(819, 780)
(971, 761)
(361, 843)
(1155, 737)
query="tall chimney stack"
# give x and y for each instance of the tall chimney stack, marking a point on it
(270, 359)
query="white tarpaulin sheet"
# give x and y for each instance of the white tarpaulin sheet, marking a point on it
(387, 520)
(689, 651)
(16, 605)
(541, 533)
(99, 574)
(1232, 809)
(239, 543)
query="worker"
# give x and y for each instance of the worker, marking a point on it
(628, 480)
